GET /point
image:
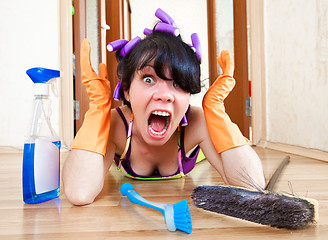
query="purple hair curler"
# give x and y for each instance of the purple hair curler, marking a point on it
(184, 121)
(164, 17)
(196, 44)
(116, 94)
(128, 47)
(113, 46)
(164, 27)
(147, 31)
(167, 25)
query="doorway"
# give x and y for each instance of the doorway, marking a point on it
(117, 15)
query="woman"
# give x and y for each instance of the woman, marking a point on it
(150, 135)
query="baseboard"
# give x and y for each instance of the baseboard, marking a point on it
(306, 152)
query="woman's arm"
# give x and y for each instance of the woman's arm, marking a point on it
(243, 167)
(241, 164)
(85, 168)
(197, 134)
(84, 174)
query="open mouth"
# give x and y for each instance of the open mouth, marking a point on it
(158, 122)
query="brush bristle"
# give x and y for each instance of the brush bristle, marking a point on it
(182, 218)
(267, 208)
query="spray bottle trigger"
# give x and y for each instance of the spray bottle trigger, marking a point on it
(54, 86)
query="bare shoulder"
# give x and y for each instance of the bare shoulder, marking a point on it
(196, 131)
(195, 111)
(195, 116)
(116, 118)
(117, 135)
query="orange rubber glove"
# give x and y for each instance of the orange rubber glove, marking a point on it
(223, 132)
(94, 132)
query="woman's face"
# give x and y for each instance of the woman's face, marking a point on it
(158, 105)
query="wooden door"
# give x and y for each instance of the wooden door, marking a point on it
(118, 17)
(115, 14)
(235, 103)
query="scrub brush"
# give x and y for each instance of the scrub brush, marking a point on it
(262, 206)
(177, 216)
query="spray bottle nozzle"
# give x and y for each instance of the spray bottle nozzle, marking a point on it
(42, 76)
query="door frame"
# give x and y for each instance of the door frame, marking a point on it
(79, 33)
(66, 112)
(257, 69)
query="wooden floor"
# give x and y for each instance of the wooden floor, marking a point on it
(112, 216)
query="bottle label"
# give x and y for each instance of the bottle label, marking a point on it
(46, 166)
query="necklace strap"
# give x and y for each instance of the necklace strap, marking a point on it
(128, 140)
(180, 164)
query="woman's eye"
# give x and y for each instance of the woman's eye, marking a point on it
(175, 85)
(148, 80)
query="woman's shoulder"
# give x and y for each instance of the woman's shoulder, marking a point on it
(195, 131)
(196, 119)
(119, 112)
(195, 113)
(117, 127)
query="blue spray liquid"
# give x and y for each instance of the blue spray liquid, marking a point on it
(29, 192)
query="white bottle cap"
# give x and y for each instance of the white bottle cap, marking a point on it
(41, 89)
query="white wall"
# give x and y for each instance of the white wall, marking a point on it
(296, 50)
(190, 17)
(29, 37)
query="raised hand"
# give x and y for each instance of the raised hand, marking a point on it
(226, 63)
(94, 132)
(96, 88)
(224, 133)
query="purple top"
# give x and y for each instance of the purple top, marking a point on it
(188, 163)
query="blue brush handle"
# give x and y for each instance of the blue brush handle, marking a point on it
(127, 190)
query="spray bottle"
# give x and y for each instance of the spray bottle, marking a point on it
(41, 158)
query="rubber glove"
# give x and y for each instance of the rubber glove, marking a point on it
(223, 132)
(94, 132)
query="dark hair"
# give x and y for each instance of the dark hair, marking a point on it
(166, 51)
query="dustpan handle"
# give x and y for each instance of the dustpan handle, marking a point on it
(275, 176)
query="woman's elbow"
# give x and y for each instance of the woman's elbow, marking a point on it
(81, 192)
(78, 196)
